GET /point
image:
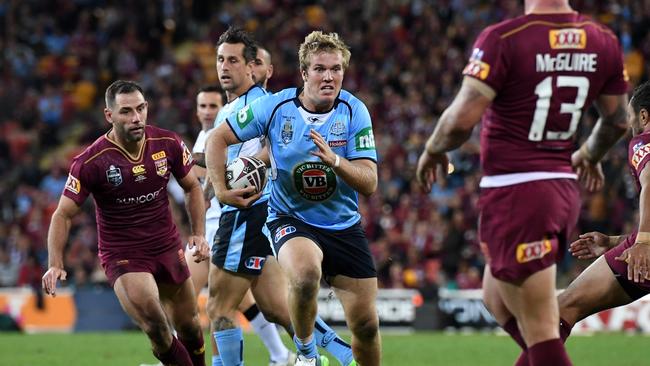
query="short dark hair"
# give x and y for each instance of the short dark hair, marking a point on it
(120, 87)
(641, 97)
(235, 35)
(212, 88)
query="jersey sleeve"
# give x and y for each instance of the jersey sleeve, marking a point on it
(182, 160)
(199, 144)
(488, 62)
(252, 120)
(616, 84)
(639, 153)
(77, 187)
(361, 140)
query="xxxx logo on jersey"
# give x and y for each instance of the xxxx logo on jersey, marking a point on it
(314, 181)
(569, 38)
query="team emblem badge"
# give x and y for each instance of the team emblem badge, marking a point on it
(337, 129)
(114, 175)
(287, 132)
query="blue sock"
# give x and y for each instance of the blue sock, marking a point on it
(231, 346)
(327, 338)
(216, 360)
(308, 350)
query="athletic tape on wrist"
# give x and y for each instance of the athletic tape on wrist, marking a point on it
(643, 237)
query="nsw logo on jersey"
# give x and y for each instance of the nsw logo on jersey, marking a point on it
(283, 231)
(73, 184)
(640, 152)
(476, 67)
(254, 262)
(244, 116)
(364, 140)
(314, 181)
(114, 175)
(287, 131)
(527, 252)
(568, 38)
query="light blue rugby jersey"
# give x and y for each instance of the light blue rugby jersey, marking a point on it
(247, 148)
(302, 186)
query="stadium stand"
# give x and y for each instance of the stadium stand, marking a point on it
(57, 57)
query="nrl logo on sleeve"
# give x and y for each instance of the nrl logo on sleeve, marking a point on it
(73, 185)
(364, 139)
(475, 67)
(244, 116)
(568, 38)
(640, 152)
(527, 252)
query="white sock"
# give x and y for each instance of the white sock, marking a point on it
(268, 332)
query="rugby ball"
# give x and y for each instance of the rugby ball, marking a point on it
(246, 171)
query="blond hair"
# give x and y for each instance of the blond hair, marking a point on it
(317, 41)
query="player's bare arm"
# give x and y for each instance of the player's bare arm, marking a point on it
(264, 154)
(199, 158)
(593, 244)
(195, 206)
(215, 151)
(360, 174)
(57, 236)
(453, 129)
(638, 255)
(609, 128)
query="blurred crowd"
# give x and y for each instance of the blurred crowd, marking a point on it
(407, 57)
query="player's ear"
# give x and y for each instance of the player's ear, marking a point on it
(303, 72)
(108, 114)
(644, 116)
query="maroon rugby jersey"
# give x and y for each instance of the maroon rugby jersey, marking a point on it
(546, 70)
(638, 155)
(130, 194)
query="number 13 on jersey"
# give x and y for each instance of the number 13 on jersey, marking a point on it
(544, 92)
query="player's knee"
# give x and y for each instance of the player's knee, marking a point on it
(306, 283)
(157, 331)
(569, 305)
(365, 328)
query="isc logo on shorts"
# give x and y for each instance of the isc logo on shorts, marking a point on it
(254, 262)
(527, 252)
(284, 232)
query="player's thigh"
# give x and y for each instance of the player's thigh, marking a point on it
(358, 297)
(226, 290)
(247, 301)
(181, 302)
(595, 289)
(139, 296)
(270, 290)
(300, 258)
(492, 298)
(296, 247)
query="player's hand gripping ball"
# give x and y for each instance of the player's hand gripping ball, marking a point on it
(246, 171)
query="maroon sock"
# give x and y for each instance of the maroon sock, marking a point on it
(176, 355)
(547, 353)
(523, 359)
(196, 349)
(565, 329)
(511, 328)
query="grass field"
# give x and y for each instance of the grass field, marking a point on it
(419, 349)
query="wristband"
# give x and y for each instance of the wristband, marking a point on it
(337, 163)
(643, 237)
